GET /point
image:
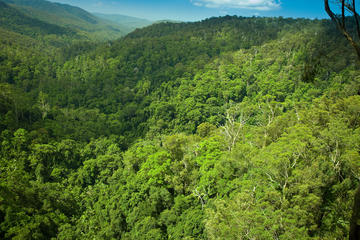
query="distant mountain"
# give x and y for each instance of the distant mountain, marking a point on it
(16, 21)
(129, 23)
(68, 12)
(71, 17)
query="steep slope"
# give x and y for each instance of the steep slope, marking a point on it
(69, 16)
(122, 78)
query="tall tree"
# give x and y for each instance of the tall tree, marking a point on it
(349, 6)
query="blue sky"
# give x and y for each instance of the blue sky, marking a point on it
(193, 10)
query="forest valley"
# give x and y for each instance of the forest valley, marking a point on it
(227, 128)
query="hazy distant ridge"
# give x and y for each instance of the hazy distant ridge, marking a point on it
(128, 22)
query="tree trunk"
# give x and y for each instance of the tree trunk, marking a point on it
(355, 219)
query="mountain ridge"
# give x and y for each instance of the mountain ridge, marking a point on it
(65, 15)
(13, 19)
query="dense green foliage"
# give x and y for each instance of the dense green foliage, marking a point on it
(229, 128)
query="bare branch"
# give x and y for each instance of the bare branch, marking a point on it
(353, 10)
(343, 14)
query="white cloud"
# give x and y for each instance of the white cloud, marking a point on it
(261, 5)
(198, 4)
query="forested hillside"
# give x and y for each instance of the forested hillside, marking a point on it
(228, 128)
(83, 23)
